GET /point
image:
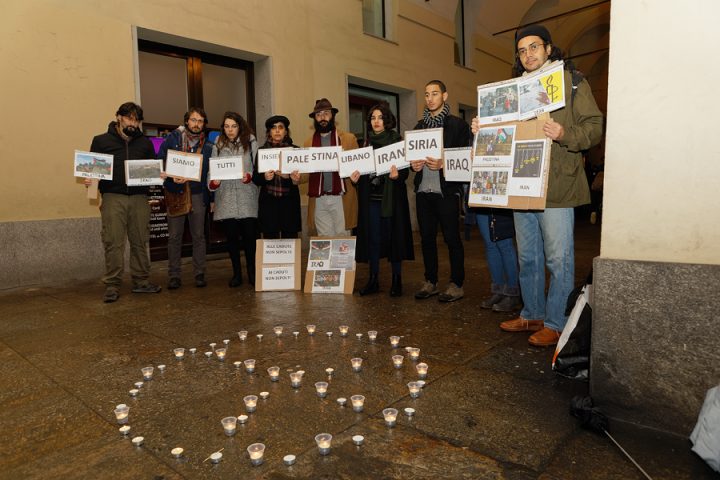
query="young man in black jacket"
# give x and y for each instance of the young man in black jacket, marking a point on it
(125, 212)
(438, 201)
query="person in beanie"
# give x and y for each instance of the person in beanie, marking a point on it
(545, 237)
(125, 212)
(438, 201)
(332, 206)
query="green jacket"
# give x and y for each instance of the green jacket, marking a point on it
(582, 120)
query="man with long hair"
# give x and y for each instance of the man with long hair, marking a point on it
(188, 138)
(545, 237)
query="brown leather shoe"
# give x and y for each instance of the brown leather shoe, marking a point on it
(544, 338)
(521, 325)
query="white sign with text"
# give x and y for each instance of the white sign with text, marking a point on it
(184, 165)
(386, 157)
(457, 164)
(226, 168)
(360, 159)
(420, 144)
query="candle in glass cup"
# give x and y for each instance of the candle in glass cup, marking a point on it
(242, 335)
(274, 373)
(124, 430)
(372, 335)
(422, 370)
(323, 441)
(250, 365)
(397, 360)
(179, 353)
(242, 418)
(321, 389)
(278, 330)
(414, 354)
(133, 392)
(358, 402)
(310, 329)
(394, 341)
(256, 452)
(414, 389)
(295, 379)
(220, 353)
(250, 403)
(122, 412)
(343, 330)
(390, 415)
(356, 364)
(229, 425)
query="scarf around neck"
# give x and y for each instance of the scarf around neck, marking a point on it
(383, 139)
(438, 120)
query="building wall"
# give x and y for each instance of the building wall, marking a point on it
(67, 65)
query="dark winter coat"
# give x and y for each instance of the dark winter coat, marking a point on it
(174, 142)
(278, 214)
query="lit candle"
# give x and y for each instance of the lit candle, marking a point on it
(414, 354)
(226, 341)
(121, 414)
(409, 411)
(356, 364)
(295, 334)
(358, 440)
(139, 384)
(289, 460)
(390, 415)
(295, 379)
(422, 370)
(124, 430)
(242, 418)
(138, 441)
(341, 401)
(278, 330)
(329, 334)
(229, 425)
(161, 367)
(177, 452)
(359, 336)
(250, 403)
(329, 371)
(215, 457)
(323, 441)
(274, 373)
(213, 345)
(264, 395)
(193, 350)
(414, 389)
(179, 353)
(220, 352)
(398, 360)
(394, 341)
(310, 329)
(321, 388)
(208, 354)
(259, 336)
(358, 402)
(133, 392)
(237, 363)
(250, 365)
(242, 335)
(372, 335)
(256, 452)
(343, 330)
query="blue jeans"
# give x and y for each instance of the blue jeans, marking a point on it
(501, 259)
(546, 238)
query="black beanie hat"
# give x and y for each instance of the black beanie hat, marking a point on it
(530, 30)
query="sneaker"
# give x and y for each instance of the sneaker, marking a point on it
(174, 283)
(546, 337)
(452, 293)
(491, 301)
(508, 304)
(519, 324)
(428, 290)
(111, 295)
(200, 280)
(146, 288)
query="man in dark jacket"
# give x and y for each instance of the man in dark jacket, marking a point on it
(188, 138)
(438, 201)
(125, 212)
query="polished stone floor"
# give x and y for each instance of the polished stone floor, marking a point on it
(492, 408)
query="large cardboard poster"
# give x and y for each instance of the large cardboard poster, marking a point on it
(331, 265)
(277, 265)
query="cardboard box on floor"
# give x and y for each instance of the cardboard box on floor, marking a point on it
(527, 130)
(349, 274)
(263, 261)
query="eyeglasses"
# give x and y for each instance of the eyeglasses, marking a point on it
(532, 48)
(196, 120)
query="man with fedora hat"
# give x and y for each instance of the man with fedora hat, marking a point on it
(332, 206)
(545, 237)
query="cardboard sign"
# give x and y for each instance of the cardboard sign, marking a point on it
(360, 159)
(277, 264)
(226, 168)
(457, 164)
(386, 157)
(331, 265)
(269, 159)
(311, 160)
(420, 144)
(184, 165)
(143, 172)
(93, 165)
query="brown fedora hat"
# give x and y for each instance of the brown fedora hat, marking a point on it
(322, 104)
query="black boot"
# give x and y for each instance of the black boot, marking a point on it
(396, 288)
(236, 279)
(372, 286)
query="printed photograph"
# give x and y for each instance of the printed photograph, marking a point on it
(494, 142)
(498, 101)
(489, 182)
(320, 249)
(88, 164)
(542, 92)
(527, 162)
(143, 172)
(327, 279)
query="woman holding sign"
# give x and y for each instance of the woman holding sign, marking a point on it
(236, 201)
(383, 213)
(279, 194)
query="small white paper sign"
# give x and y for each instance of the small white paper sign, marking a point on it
(226, 168)
(386, 157)
(143, 172)
(360, 159)
(324, 159)
(489, 185)
(527, 169)
(278, 277)
(420, 144)
(184, 165)
(328, 281)
(457, 164)
(295, 159)
(93, 165)
(279, 251)
(269, 159)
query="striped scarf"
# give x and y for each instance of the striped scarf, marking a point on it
(438, 120)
